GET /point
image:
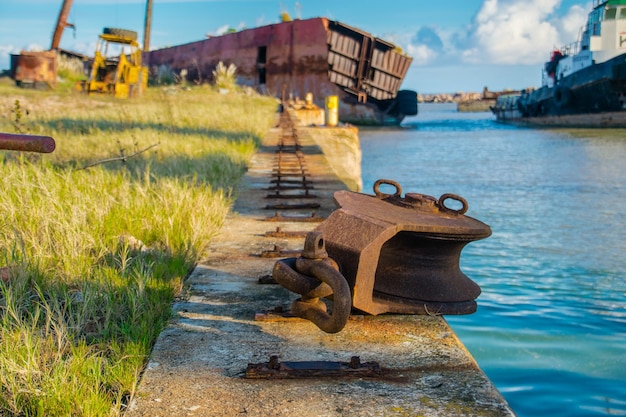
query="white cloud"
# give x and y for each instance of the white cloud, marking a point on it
(222, 30)
(569, 26)
(8, 49)
(504, 32)
(35, 47)
(225, 29)
(86, 48)
(513, 32)
(421, 54)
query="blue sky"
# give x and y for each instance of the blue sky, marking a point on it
(457, 45)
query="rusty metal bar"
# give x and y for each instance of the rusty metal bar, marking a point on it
(274, 369)
(61, 24)
(278, 252)
(289, 161)
(147, 26)
(290, 179)
(313, 218)
(282, 148)
(289, 158)
(300, 187)
(279, 232)
(304, 183)
(289, 171)
(278, 195)
(292, 206)
(26, 143)
(276, 315)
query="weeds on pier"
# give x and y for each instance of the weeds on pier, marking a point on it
(92, 255)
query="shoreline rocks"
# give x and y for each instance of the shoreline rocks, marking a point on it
(449, 97)
(462, 97)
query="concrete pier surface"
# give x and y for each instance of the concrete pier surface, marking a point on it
(198, 364)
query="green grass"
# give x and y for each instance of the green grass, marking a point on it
(95, 256)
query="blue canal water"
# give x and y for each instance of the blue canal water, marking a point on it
(550, 330)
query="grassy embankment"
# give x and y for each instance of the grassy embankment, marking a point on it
(91, 259)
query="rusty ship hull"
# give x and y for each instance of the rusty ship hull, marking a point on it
(291, 59)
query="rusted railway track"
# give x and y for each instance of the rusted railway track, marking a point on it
(290, 177)
(291, 188)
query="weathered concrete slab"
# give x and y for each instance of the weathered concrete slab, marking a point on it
(342, 149)
(199, 361)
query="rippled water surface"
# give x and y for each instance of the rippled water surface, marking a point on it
(550, 330)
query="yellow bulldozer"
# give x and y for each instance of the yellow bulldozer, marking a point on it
(117, 67)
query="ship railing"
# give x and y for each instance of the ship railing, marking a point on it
(571, 48)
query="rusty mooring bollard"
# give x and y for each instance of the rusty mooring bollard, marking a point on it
(397, 254)
(26, 143)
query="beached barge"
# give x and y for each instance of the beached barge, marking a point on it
(293, 58)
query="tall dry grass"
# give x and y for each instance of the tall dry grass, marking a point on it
(93, 257)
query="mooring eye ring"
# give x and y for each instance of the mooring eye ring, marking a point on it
(380, 194)
(458, 198)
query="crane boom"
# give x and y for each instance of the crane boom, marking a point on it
(61, 24)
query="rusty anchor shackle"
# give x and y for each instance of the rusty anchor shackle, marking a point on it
(314, 275)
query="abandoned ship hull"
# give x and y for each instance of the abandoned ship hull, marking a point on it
(291, 59)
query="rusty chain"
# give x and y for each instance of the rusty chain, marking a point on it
(314, 275)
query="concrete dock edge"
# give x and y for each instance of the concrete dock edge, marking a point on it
(198, 363)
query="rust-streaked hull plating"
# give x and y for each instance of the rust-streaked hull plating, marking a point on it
(315, 56)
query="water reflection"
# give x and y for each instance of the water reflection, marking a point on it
(550, 326)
